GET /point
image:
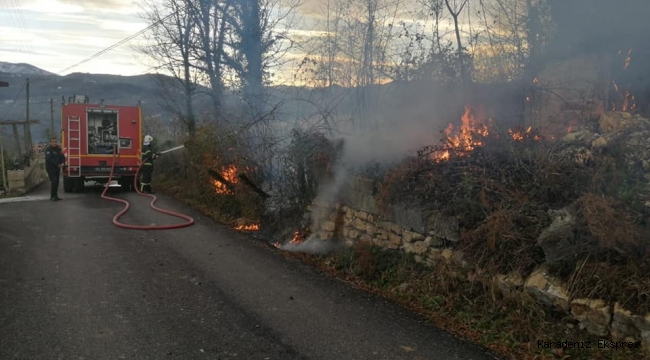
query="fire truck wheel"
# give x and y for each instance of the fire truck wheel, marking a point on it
(79, 184)
(67, 185)
(126, 183)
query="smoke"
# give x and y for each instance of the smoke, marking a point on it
(390, 144)
(598, 26)
(327, 196)
(313, 246)
(406, 117)
(411, 120)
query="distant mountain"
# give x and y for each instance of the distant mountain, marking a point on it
(114, 89)
(297, 103)
(22, 69)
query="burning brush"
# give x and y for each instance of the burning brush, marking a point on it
(224, 182)
(461, 141)
(251, 227)
(299, 237)
(243, 224)
(520, 134)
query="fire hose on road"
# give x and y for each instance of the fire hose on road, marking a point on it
(190, 221)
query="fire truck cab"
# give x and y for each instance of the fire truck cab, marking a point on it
(90, 134)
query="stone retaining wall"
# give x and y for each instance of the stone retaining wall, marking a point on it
(432, 237)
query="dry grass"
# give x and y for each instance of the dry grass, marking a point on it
(625, 281)
(501, 243)
(610, 223)
(509, 324)
(187, 176)
(616, 267)
(501, 194)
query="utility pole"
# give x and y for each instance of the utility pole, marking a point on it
(2, 152)
(4, 169)
(51, 117)
(28, 135)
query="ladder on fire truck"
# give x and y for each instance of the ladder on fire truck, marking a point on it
(74, 146)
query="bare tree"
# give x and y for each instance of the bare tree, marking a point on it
(210, 18)
(258, 40)
(323, 59)
(170, 45)
(455, 8)
(436, 11)
(502, 49)
(334, 11)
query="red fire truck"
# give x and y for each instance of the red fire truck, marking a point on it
(89, 135)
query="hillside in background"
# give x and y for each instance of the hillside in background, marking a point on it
(419, 109)
(114, 89)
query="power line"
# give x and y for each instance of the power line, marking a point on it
(156, 23)
(10, 11)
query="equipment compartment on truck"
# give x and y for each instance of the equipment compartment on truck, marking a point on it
(102, 131)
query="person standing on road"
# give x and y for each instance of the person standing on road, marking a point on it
(147, 165)
(54, 161)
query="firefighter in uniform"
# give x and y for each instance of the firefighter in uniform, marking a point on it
(148, 157)
(54, 161)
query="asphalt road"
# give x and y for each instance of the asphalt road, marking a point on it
(73, 286)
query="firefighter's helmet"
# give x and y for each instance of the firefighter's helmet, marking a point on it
(148, 139)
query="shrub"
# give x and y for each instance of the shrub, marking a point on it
(501, 193)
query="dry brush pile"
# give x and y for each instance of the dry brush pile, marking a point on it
(579, 204)
(221, 173)
(209, 173)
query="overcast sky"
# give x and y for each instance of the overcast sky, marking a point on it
(55, 34)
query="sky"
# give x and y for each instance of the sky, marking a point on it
(56, 34)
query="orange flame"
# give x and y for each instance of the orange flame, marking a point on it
(627, 101)
(464, 139)
(471, 134)
(628, 59)
(229, 174)
(298, 238)
(252, 227)
(521, 135)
